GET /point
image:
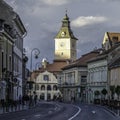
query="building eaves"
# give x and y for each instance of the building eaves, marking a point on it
(82, 61)
(115, 63)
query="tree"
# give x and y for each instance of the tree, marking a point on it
(117, 90)
(112, 89)
(104, 92)
(97, 93)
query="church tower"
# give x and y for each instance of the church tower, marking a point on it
(65, 42)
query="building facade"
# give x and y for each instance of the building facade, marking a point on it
(73, 79)
(101, 74)
(46, 86)
(12, 32)
(97, 77)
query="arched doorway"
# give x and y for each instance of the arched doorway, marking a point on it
(42, 87)
(55, 87)
(42, 96)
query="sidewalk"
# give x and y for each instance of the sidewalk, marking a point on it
(18, 107)
(13, 109)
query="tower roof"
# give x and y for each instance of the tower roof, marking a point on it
(65, 30)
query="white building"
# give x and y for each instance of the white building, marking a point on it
(73, 80)
(97, 77)
(46, 86)
(12, 32)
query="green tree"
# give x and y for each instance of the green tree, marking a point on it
(104, 92)
(117, 90)
(112, 89)
(97, 93)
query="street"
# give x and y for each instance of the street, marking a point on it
(60, 111)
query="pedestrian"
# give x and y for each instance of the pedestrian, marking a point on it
(35, 99)
(30, 100)
(20, 99)
(3, 104)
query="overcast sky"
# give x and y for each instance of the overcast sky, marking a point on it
(90, 19)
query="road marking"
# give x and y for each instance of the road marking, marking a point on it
(93, 112)
(79, 110)
(23, 119)
(38, 115)
(49, 112)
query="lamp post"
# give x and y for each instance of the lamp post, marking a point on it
(36, 53)
(38, 64)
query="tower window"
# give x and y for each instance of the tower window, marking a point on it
(46, 77)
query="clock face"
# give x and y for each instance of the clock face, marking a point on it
(62, 34)
(62, 44)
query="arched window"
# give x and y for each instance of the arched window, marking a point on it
(48, 87)
(43, 87)
(55, 87)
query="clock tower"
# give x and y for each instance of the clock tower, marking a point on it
(65, 42)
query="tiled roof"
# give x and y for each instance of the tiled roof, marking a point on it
(54, 67)
(98, 57)
(113, 37)
(115, 63)
(82, 61)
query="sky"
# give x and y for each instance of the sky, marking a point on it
(90, 19)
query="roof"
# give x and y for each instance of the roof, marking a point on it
(8, 15)
(6, 12)
(55, 67)
(65, 30)
(82, 61)
(115, 63)
(113, 37)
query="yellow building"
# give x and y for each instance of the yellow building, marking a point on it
(65, 42)
(110, 40)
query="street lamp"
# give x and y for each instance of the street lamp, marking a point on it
(38, 64)
(36, 53)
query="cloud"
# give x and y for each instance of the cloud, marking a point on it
(107, 0)
(55, 2)
(83, 21)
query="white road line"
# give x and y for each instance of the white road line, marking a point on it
(79, 110)
(38, 115)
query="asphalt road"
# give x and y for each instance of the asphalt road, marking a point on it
(92, 112)
(61, 111)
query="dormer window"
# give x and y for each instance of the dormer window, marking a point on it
(115, 38)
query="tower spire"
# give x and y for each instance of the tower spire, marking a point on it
(66, 11)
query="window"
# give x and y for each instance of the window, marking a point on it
(48, 87)
(62, 53)
(10, 63)
(46, 77)
(37, 87)
(115, 39)
(55, 87)
(83, 79)
(43, 87)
